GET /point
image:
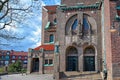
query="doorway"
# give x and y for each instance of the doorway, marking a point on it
(35, 65)
(71, 59)
(89, 63)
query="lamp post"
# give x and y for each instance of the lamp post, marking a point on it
(113, 29)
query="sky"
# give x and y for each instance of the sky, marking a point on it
(30, 29)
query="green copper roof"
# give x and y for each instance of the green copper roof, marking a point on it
(47, 25)
(118, 7)
(117, 17)
(79, 7)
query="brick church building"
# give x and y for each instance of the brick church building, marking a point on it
(80, 41)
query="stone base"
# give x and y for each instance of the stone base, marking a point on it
(116, 78)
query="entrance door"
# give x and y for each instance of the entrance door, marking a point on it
(72, 63)
(36, 65)
(89, 63)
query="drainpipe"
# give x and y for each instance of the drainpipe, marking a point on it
(103, 44)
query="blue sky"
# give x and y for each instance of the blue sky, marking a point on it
(31, 29)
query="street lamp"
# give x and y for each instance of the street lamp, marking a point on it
(112, 28)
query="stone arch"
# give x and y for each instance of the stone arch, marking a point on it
(69, 24)
(71, 59)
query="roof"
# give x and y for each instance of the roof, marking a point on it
(45, 47)
(51, 8)
(18, 53)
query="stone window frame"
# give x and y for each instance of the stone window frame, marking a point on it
(48, 63)
(51, 38)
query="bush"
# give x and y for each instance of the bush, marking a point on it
(2, 70)
(15, 67)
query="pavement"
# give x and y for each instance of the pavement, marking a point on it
(27, 77)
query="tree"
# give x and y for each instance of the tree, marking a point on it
(15, 67)
(13, 14)
(12, 11)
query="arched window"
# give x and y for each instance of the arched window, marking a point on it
(71, 25)
(51, 38)
(86, 26)
(74, 26)
(55, 21)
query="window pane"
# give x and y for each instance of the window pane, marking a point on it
(8, 53)
(74, 25)
(51, 38)
(85, 26)
(46, 61)
(19, 57)
(13, 61)
(13, 57)
(50, 61)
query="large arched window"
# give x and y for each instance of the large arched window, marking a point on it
(71, 25)
(51, 38)
(74, 26)
(86, 26)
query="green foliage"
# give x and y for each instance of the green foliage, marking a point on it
(15, 67)
(2, 70)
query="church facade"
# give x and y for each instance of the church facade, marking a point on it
(79, 37)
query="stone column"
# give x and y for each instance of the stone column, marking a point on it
(56, 62)
(41, 64)
(96, 62)
(29, 66)
(80, 59)
(41, 61)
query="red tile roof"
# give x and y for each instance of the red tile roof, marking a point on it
(51, 8)
(45, 47)
(17, 53)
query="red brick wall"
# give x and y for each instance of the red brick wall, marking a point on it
(115, 42)
(108, 38)
(44, 22)
(48, 68)
(45, 18)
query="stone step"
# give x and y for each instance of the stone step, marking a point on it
(81, 76)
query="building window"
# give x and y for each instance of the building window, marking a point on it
(51, 38)
(7, 57)
(50, 61)
(13, 57)
(86, 26)
(25, 61)
(13, 61)
(8, 52)
(6, 63)
(19, 57)
(74, 26)
(25, 57)
(55, 21)
(46, 61)
(2, 57)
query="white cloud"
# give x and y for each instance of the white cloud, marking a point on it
(31, 28)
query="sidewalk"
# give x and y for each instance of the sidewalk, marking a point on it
(27, 77)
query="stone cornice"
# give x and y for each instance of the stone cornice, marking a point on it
(65, 8)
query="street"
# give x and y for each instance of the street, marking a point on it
(27, 77)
